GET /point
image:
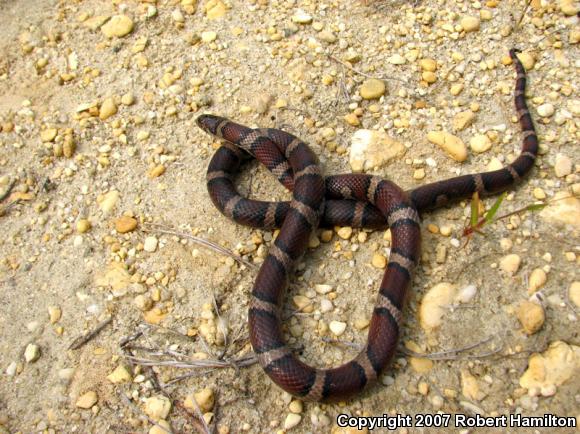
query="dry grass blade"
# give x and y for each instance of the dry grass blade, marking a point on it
(241, 362)
(8, 190)
(356, 71)
(81, 340)
(202, 242)
(452, 353)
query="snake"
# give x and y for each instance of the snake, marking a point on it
(355, 200)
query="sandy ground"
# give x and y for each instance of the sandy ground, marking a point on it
(104, 170)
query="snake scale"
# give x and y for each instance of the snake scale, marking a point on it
(355, 200)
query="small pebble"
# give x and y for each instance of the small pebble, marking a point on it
(379, 261)
(83, 225)
(462, 120)
(108, 108)
(372, 88)
(345, 232)
(480, 143)
(208, 36)
(31, 353)
(451, 144)
(125, 224)
(337, 327)
(118, 26)
(531, 316)
(470, 24)
(162, 427)
(205, 398)
(292, 420)
(120, 375)
(537, 280)
(87, 400)
(296, 406)
(563, 166)
(302, 17)
(574, 293)
(546, 110)
(157, 407)
(510, 263)
(54, 314)
(150, 244)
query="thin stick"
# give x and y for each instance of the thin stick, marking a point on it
(528, 3)
(8, 190)
(199, 416)
(202, 242)
(81, 340)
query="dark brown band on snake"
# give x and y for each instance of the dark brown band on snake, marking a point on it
(343, 200)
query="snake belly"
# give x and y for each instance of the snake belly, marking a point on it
(354, 200)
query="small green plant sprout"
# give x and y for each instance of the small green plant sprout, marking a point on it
(476, 224)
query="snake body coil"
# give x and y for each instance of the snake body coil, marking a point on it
(343, 200)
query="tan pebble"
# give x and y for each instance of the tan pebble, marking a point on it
(372, 88)
(539, 193)
(109, 201)
(531, 316)
(372, 149)
(31, 353)
(419, 174)
(128, 99)
(69, 146)
(361, 323)
(429, 77)
(546, 110)
(527, 60)
(322, 288)
(423, 388)
(157, 407)
(379, 261)
(337, 327)
(87, 400)
(563, 209)
(563, 165)
(470, 24)
(108, 108)
(469, 386)
(510, 263)
(326, 235)
(48, 135)
(462, 120)
(54, 314)
(313, 241)
(150, 244)
(291, 421)
(157, 171)
(215, 9)
(480, 143)
(537, 280)
(205, 398)
(118, 26)
(352, 119)
(143, 302)
(345, 232)
(296, 406)
(435, 304)
(419, 364)
(456, 89)
(208, 36)
(434, 229)
(451, 144)
(574, 293)
(569, 7)
(445, 230)
(428, 65)
(120, 375)
(303, 303)
(553, 367)
(162, 427)
(302, 17)
(125, 224)
(83, 225)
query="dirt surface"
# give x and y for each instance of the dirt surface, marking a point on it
(103, 172)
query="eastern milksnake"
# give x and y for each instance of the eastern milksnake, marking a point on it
(341, 200)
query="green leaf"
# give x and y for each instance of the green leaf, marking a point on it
(474, 209)
(493, 210)
(536, 207)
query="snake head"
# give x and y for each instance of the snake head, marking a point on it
(209, 123)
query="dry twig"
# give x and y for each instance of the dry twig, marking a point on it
(81, 340)
(202, 242)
